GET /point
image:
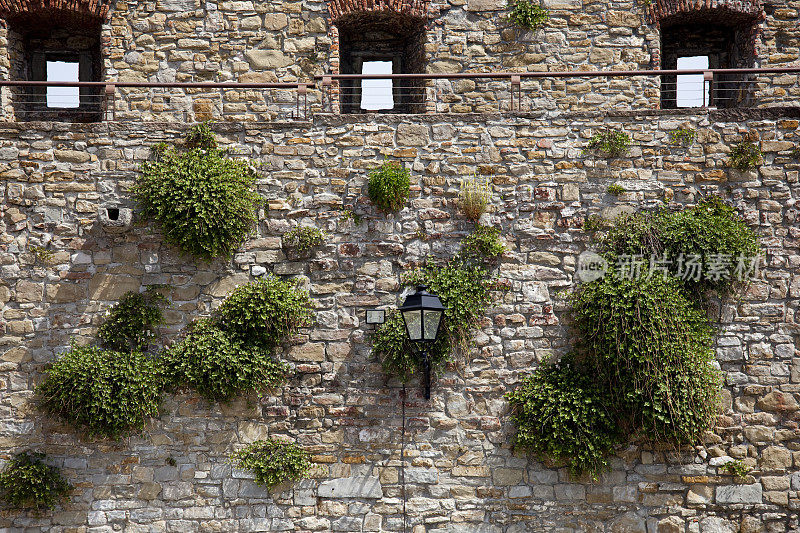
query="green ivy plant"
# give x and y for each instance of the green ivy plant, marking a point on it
(746, 156)
(527, 14)
(610, 143)
(205, 202)
(130, 324)
(711, 229)
(389, 186)
(106, 392)
(265, 312)
(564, 415)
(303, 239)
(483, 244)
(27, 482)
(219, 366)
(644, 355)
(652, 346)
(615, 189)
(273, 461)
(682, 136)
(232, 351)
(201, 136)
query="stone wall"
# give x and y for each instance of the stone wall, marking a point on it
(460, 473)
(193, 40)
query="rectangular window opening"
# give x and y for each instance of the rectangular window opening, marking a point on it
(63, 97)
(691, 90)
(377, 94)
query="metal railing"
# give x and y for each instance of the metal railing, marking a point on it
(529, 91)
(461, 92)
(204, 100)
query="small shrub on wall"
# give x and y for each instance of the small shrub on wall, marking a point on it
(527, 15)
(107, 393)
(273, 461)
(130, 323)
(232, 351)
(610, 143)
(219, 366)
(302, 239)
(746, 156)
(27, 482)
(389, 186)
(483, 244)
(265, 312)
(474, 197)
(205, 202)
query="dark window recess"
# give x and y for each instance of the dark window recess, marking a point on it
(57, 54)
(724, 47)
(382, 43)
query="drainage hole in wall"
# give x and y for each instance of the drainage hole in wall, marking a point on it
(113, 213)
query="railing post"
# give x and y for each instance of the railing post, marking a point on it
(516, 81)
(110, 96)
(708, 77)
(327, 82)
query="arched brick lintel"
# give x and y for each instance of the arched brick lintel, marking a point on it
(54, 12)
(716, 11)
(346, 9)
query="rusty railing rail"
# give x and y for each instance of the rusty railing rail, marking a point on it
(326, 81)
(105, 99)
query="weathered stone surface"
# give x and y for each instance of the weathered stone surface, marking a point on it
(352, 487)
(267, 59)
(223, 287)
(778, 401)
(739, 493)
(111, 286)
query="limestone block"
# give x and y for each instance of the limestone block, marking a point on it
(223, 287)
(739, 493)
(267, 59)
(486, 5)
(351, 487)
(106, 287)
(778, 401)
(28, 291)
(72, 156)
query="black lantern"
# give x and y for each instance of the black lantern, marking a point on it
(422, 314)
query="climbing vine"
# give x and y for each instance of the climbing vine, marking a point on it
(746, 156)
(643, 363)
(464, 287)
(131, 323)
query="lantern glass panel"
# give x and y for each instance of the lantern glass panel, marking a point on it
(413, 320)
(431, 323)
